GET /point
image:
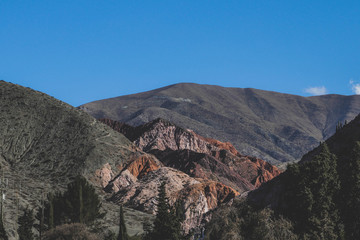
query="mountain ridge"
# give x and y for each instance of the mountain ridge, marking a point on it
(260, 123)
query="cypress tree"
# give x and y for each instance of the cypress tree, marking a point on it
(78, 204)
(122, 227)
(51, 211)
(3, 235)
(82, 204)
(26, 222)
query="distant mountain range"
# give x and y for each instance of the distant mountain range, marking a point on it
(273, 126)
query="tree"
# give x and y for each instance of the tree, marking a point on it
(122, 227)
(82, 204)
(78, 204)
(311, 190)
(26, 222)
(3, 235)
(350, 193)
(166, 225)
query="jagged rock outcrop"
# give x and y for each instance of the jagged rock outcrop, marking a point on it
(198, 156)
(197, 196)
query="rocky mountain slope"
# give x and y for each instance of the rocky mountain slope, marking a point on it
(45, 143)
(197, 156)
(272, 126)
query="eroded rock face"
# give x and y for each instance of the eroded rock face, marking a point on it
(197, 197)
(201, 173)
(198, 156)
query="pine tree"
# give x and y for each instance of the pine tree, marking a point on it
(311, 190)
(166, 224)
(325, 185)
(122, 227)
(26, 222)
(350, 193)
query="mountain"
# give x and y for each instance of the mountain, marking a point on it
(340, 144)
(197, 156)
(322, 190)
(45, 144)
(200, 173)
(273, 126)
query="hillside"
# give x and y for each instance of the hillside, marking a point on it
(273, 126)
(201, 173)
(45, 143)
(322, 190)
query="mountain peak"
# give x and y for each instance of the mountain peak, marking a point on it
(273, 126)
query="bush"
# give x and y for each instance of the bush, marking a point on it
(74, 231)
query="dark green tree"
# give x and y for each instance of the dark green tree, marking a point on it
(122, 227)
(311, 190)
(78, 204)
(3, 235)
(350, 193)
(82, 204)
(26, 223)
(167, 225)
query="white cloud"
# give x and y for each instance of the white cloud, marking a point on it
(316, 90)
(355, 87)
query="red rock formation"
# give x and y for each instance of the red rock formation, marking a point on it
(211, 172)
(197, 196)
(160, 138)
(142, 165)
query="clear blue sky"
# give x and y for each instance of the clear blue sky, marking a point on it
(80, 51)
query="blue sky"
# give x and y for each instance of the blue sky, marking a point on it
(80, 51)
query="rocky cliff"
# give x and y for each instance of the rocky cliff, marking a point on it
(198, 156)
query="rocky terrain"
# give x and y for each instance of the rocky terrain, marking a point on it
(201, 173)
(45, 144)
(272, 126)
(198, 156)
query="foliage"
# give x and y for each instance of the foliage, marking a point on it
(74, 231)
(122, 227)
(310, 195)
(79, 203)
(3, 235)
(350, 193)
(241, 221)
(26, 223)
(167, 224)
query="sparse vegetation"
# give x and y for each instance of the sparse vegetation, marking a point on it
(26, 223)
(73, 231)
